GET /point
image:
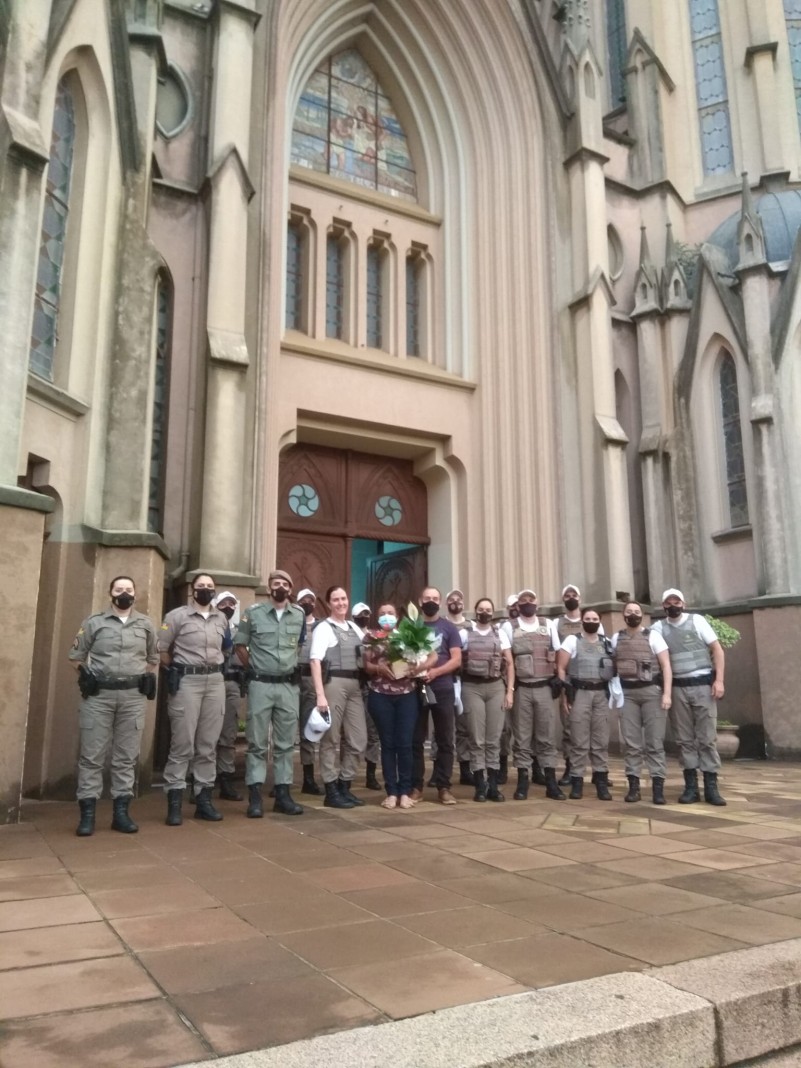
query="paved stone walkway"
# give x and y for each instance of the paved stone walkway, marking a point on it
(180, 944)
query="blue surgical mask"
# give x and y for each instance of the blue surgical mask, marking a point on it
(387, 621)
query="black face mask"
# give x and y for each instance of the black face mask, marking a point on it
(673, 611)
(308, 607)
(571, 603)
(361, 621)
(455, 608)
(591, 628)
(123, 600)
(280, 594)
(528, 610)
(633, 621)
(430, 608)
(483, 617)
(514, 613)
(228, 611)
(203, 597)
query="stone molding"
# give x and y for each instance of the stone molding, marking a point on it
(126, 539)
(16, 497)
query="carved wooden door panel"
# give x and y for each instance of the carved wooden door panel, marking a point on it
(315, 561)
(396, 578)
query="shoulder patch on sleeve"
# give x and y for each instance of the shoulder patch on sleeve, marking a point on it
(245, 618)
(165, 626)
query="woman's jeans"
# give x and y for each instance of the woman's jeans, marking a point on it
(395, 716)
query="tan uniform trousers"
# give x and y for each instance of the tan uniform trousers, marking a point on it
(694, 717)
(348, 730)
(226, 744)
(112, 720)
(589, 732)
(372, 753)
(563, 732)
(308, 701)
(276, 705)
(642, 727)
(534, 726)
(196, 717)
(483, 708)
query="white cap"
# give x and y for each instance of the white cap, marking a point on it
(226, 595)
(532, 592)
(511, 599)
(672, 593)
(306, 592)
(359, 608)
(571, 586)
(316, 725)
(451, 592)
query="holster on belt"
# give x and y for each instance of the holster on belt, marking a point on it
(569, 690)
(174, 675)
(87, 682)
(147, 685)
(556, 685)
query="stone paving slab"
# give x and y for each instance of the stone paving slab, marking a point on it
(254, 934)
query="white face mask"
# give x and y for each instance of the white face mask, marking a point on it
(388, 621)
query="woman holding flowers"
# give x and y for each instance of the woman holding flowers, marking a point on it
(393, 701)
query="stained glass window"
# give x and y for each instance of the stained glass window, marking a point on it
(412, 307)
(334, 287)
(345, 126)
(294, 279)
(616, 50)
(388, 511)
(158, 439)
(303, 500)
(710, 87)
(792, 19)
(44, 335)
(733, 443)
(375, 316)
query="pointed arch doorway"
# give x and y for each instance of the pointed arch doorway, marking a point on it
(352, 518)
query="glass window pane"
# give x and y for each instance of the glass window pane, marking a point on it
(294, 282)
(412, 307)
(374, 298)
(733, 442)
(334, 287)
(710, 87)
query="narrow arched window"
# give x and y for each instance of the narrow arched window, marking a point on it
(334, 287)
(375, 296)
(792, 20)
(710, 87)
(294, 276)
(49, 275)
(415, 319)
(733, 442)
(161, 392)
(616, 51)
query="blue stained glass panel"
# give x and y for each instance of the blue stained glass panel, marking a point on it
(792, 19)
(710, 87)
(733, 442)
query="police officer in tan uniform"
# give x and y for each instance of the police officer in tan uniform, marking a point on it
(192, 642)
(307, 600)
(268, 641)
(233, 673)
(115, 654)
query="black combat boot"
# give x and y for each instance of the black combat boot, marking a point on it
(634, 789)
(370, 781)
(174, 801)
(344, 789)
(493, 780)
(121, 821)
(503, 771)
(521, 793)
(552, 786)
(285, 803)
(711, 795)
(576, 788)
(86, 826)
(228, 792)
(690, 795)
(602, 786)
(658, 791)
(465, 774)
(537, 775)
(255, 805)
(567, 779)
(480, 784)
(204, 807)
(334, 798)
(309, 785)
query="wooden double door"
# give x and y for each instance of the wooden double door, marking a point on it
(347, 518)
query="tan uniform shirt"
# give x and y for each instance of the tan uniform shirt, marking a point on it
(110, 647)
(193, 639)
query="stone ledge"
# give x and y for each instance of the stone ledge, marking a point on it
(715, 1011)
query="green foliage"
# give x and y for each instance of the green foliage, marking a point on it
(727, 636)
(411, 638)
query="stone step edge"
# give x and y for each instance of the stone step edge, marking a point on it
(705, 1013)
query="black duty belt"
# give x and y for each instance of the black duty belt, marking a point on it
(335, 674)
(233, 676)
(639, 684)
(533, 685)
(581, 684)
(275, 678)
(480, 678)
(122, 682)
(206, 669)
(695, 680)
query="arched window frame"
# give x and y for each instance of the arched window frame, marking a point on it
(298, 274)
(162, 353)
(340, 260)
(616, 44)
(732, 445)
(711, 91)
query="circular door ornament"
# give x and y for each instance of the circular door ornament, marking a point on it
(303, 500)
(388, 511)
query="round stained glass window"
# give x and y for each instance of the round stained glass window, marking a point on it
(388, 511)
(303, 500)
